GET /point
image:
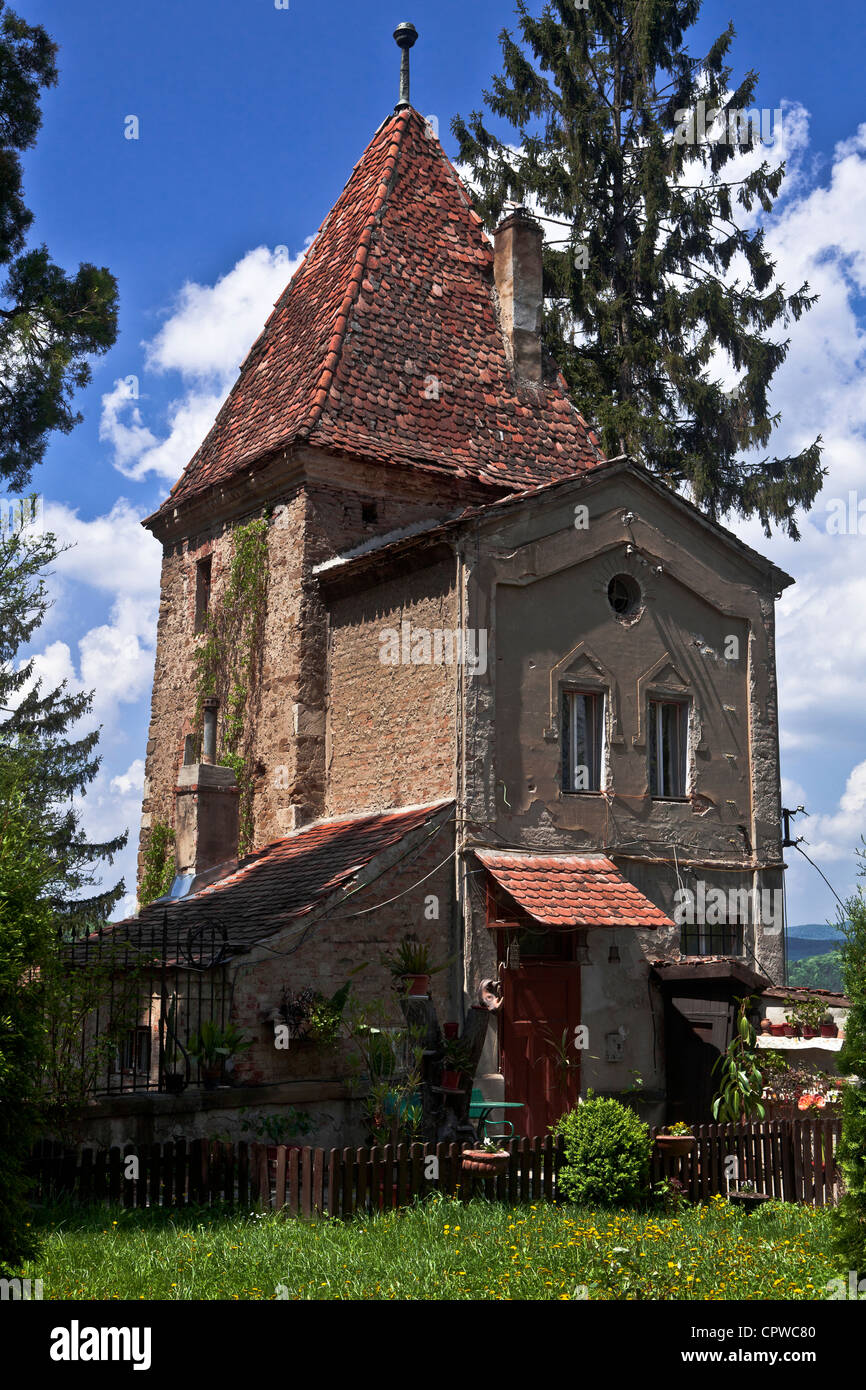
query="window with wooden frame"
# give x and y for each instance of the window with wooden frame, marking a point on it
(134, 1052)
(202, 592)
(668, 748)
(582, 740)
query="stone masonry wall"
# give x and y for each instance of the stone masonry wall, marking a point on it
(391, 728)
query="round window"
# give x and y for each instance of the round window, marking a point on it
(623, 595)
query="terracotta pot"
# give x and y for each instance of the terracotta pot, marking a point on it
(484, 1164)
(809, 1032)
(451, 1080)
(210, 1076)
(829, 1030)
(766, 1025)
(675, 1145)
(777, 1030)
(788, 1030)
(417, 984)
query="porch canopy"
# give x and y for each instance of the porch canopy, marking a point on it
(571, 890)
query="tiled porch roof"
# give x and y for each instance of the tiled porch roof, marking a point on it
(578, 890)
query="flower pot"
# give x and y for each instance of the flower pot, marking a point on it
(750, 1201)
(451, 1080)
(829, 1030)
(789, 1031)
(777, 1030)
(809, 1032)
(483, 1163)
(766, 1025)
(210, 1076)
(675, 1145)
(417, 985)
(175, 1082)
(450, 1030)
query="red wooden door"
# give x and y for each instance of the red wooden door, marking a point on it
(541, 1003)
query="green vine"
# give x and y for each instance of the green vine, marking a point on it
(158, 875)
(228, 661)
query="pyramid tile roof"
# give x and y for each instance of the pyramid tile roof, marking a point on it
(386, 343)
(582, 890)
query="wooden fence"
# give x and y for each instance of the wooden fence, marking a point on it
(793, 1161)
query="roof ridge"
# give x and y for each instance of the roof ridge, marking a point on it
(341, 323)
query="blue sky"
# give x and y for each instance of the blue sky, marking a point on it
(251, 118)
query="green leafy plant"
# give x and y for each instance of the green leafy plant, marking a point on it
(607, 1152)
(158, 874)
(228, 659)
(680, 1128)
(277, 1129)
(850, 1218)
(456, 1056)
(211, 1043)
(807, 1013)
(741, 1085)
(412, 957)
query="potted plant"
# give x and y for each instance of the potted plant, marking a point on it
(745, 1196)
(487, 1159)
(456, 1061)
(777, 1030)
(828, 1026)
(766, 1025)
(411, 967)
(211, 1046)
(676, 1140)
(807, 1015)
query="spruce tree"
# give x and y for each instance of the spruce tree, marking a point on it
(50, 322)
(652, 270)
(42, 754)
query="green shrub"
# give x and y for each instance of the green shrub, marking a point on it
(607, 1153)
(850, 1216)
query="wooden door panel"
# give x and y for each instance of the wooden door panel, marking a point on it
(541, 1003)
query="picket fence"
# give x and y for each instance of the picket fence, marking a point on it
(791, 1160)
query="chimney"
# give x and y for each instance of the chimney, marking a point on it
(206, 812)
(517, 244)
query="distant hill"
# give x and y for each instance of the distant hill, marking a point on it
(816, 931)
(809, 939)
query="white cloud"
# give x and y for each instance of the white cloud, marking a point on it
(204, 339)
(131, 780)
(836, 836)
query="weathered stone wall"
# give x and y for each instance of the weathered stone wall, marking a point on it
(392, 727)
(327, 952)
(340, 506)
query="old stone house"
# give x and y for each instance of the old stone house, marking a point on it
(506, 694)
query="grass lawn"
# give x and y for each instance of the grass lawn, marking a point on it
(442, 1249)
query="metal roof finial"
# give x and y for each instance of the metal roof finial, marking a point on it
(405, 35)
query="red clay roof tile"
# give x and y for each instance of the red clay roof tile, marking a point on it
(400, 269)
(583, 890)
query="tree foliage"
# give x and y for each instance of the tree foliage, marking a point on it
(51, 322)
(851, 1212)
(662, 306)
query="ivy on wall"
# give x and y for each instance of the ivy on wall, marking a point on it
(228, 661)
(158, 874)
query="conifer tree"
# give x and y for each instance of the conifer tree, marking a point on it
(42, 755)
(655, 282)
(50, 321)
